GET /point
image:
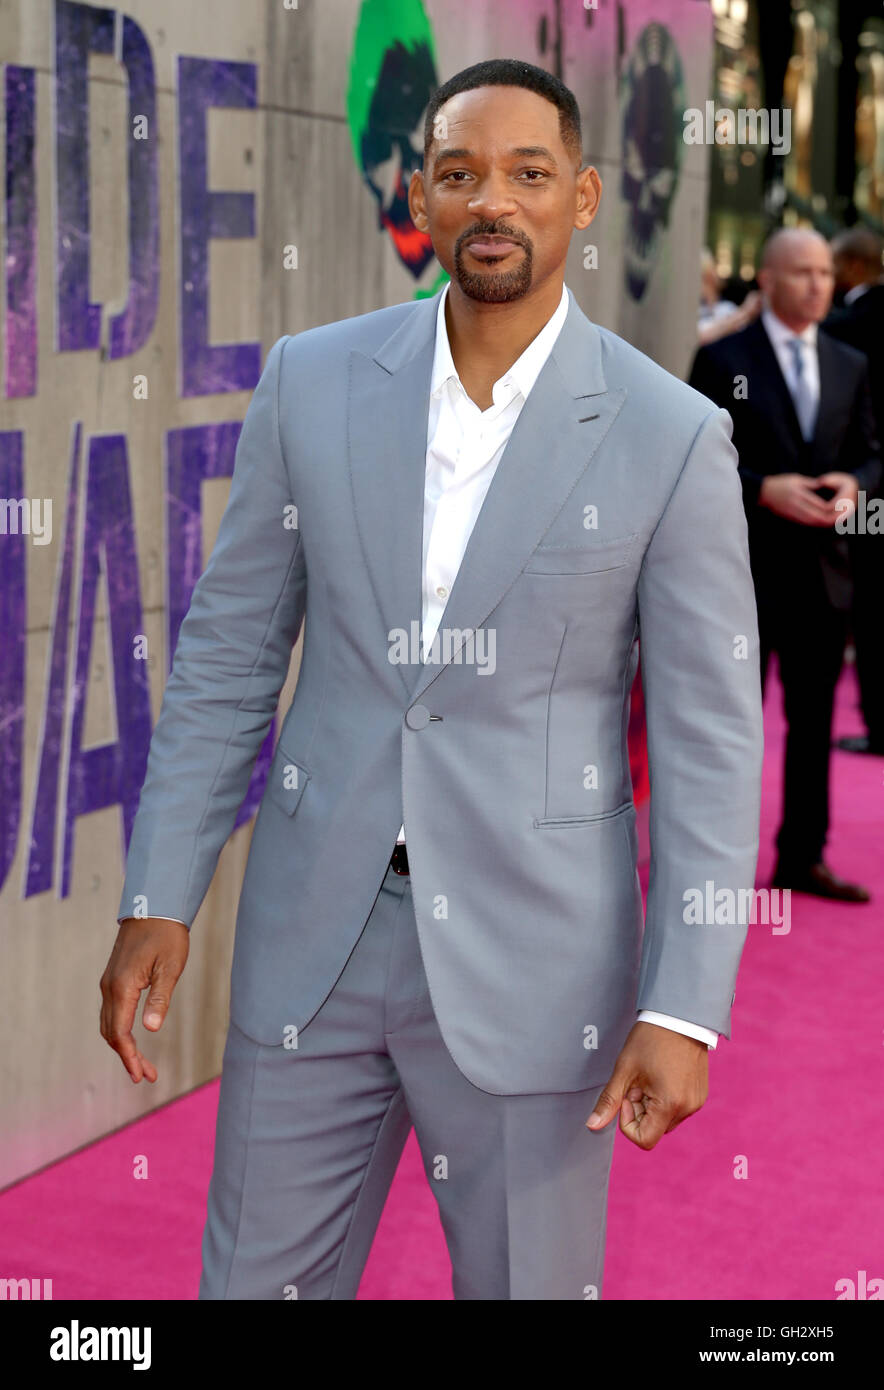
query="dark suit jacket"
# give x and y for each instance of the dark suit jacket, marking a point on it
(792, 562)
(861, 324)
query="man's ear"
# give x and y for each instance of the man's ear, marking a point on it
(590, 188)
(416, 202)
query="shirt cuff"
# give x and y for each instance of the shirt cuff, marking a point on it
(159, 916)
(678, 1025)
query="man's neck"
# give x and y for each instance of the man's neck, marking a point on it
(486, 339)
(794, 325)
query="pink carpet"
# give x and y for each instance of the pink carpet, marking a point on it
(797, 1092)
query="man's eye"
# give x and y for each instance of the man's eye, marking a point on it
(457, 173)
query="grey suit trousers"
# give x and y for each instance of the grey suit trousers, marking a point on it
(309, 1137)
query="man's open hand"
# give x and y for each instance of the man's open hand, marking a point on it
(149, 953)
(659, 1079)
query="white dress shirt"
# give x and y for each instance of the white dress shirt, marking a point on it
(780, 335)
(464, 446)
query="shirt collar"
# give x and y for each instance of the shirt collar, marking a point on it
(780, 333)
(524, 371)
(855, 293)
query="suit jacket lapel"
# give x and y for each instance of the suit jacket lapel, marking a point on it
(827, 355)
(388, 404)
(567, 415)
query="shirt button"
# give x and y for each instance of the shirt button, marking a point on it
(441, 591)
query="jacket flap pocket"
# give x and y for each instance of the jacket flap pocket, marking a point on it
(591, 558)
(286, 780)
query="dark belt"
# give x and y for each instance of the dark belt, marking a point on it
(399, 860)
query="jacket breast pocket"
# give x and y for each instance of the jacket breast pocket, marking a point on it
(592, 558)
(286, 781)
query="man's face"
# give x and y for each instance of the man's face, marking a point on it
(800, 283)
(501, 171)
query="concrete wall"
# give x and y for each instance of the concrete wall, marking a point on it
(160, 160)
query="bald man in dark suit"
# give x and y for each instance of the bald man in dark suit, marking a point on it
(805, 433)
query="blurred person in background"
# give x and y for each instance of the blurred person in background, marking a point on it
(718, 316)
(859, 321)
(805, 433)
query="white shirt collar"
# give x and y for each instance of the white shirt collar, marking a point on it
(780, 333)
(524, 371)
(855, 293)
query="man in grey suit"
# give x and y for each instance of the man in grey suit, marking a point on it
(478, 504)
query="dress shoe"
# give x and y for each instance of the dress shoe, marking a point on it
(819, 880)
(860, 743)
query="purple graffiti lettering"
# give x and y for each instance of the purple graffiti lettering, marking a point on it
(13, 622)
(42, 840)
(20, 365)
(79, 31)
(194, 454)
(111, 773)
(131, 329)
(209, 368)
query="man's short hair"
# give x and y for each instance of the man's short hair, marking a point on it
(512, 72)
(859, 243)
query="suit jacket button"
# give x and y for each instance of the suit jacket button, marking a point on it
(418, 717)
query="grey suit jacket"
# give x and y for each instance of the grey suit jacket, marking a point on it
(614, 519)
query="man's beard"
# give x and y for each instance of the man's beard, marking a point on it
(496, 286)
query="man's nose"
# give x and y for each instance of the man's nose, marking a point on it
(491, 197)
